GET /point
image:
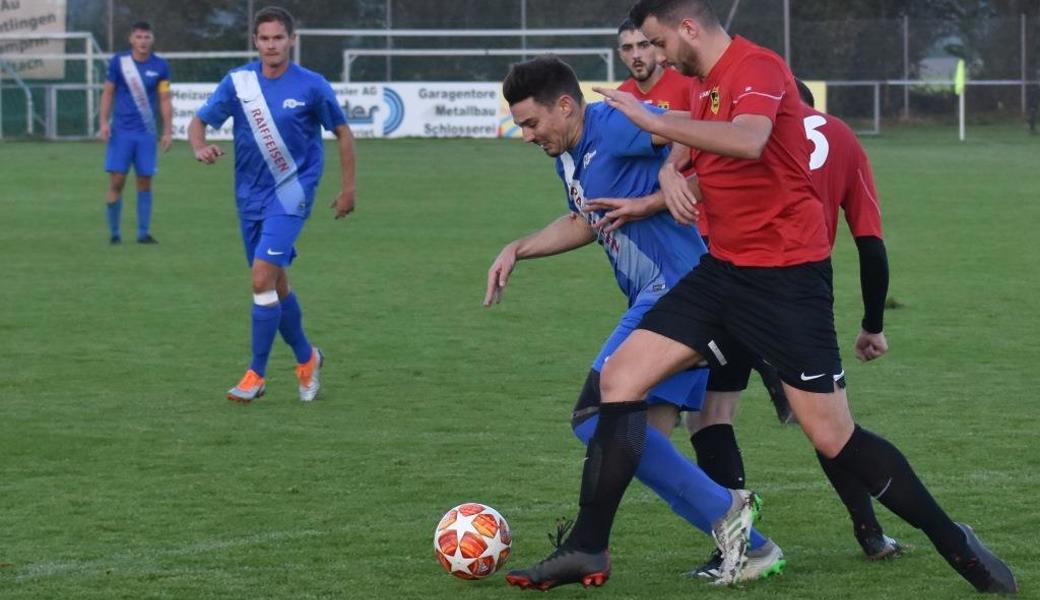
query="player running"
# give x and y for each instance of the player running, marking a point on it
(600, 152)
(765, 290)
(279, 109)
(138, 83)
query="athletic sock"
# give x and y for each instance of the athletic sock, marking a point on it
(144, 213)
(291, 328)
(114, 212)
(719, 456)
(887, 475)
(686, 488)
(611, 460)
(265, 328)
(854, 496)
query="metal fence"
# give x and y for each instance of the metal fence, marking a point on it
(882, 69)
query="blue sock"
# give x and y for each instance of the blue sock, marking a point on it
(291, 327)
(144, 213)
(678, 481)
(265, 328)
(114, 211)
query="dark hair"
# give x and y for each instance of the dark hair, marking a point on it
(141, 26)
(626, 25)
(274, 13)
(544, 78)
(673, 11)
(805, 93)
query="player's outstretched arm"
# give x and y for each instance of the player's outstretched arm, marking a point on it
(197, 138)
(873, 275)
(565, 233)
(624, 210)
(344, 202)
(107, 92)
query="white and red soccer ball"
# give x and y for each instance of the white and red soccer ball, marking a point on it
(472, 541)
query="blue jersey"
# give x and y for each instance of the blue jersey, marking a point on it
(616, 159)
(153, 75)
(298, 104)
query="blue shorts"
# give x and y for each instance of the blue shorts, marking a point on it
(684, 389)
(272, 239)
(129, 147)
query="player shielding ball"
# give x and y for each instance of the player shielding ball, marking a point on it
(765, 289)
(138, 83)
(600, 152)
(279, 110)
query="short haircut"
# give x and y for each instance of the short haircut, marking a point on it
(673, 11)
(626, 25)
(805, 93)
(545, 78)
(274, 13)
(141, 26)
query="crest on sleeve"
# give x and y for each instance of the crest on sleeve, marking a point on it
(716, 101)
(664, 104)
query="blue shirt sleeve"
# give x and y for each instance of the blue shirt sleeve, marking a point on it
(330, 113)
(219, 106)
(164, 72)
(113, 69)
(626, 138)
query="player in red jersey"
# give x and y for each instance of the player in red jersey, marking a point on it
(764, 290)
(650, 82)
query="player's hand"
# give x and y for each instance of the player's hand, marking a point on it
(344, 203)
(620, 211)
(498, 274)
(628, 104)
(679, 195)
(166, 142)
(209, 154)
(104, 133)
(870, 345)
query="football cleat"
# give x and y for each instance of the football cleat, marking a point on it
(880, 547)
(731, 533)
(982, 568)
(115, 240)
(308, 373)
(248, 389)
(565, 565)
(147, 239)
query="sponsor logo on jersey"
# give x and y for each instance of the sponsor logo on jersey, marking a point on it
(588, 158)
(292, 103)
(151, 73)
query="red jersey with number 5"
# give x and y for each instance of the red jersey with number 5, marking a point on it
(765, 212)
(841, 173)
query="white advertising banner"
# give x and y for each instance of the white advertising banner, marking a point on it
(385, 109)
(23, 19)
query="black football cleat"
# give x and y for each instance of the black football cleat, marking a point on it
(982, 568)
(563, 566)
(880, 546)
(147, 239)
(115, 240)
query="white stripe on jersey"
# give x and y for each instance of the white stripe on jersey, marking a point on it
(136, 86)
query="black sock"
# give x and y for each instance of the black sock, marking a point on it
(854, 496)
(887, 475)
(610, 463)
(719, 456)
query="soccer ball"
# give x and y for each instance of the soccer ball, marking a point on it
(472, 541)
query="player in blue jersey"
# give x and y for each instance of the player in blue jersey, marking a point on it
(279, 110)
(600, 152)
(138, 83)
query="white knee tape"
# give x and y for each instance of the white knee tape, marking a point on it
(266, 298)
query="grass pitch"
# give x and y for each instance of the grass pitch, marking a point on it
(125, 474)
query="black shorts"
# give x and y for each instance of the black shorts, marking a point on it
(735, 315)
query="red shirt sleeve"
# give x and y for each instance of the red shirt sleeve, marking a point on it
(861, 206)
(758, 87)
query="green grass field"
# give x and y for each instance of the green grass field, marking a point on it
(124, 473)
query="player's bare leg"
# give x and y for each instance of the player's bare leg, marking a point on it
(663, 417)
(882, 468)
